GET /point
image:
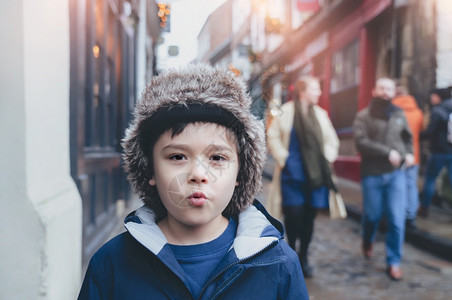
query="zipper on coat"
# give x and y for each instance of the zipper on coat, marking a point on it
(233, 264)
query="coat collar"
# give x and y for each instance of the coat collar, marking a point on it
(256, 230)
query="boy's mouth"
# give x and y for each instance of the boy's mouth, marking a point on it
(197, 199)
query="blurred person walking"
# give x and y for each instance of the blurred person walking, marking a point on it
(439, 135)
(303, 143)
(383, 138)
(415, 119)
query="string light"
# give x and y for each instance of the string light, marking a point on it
(96, 51)
(163, 13)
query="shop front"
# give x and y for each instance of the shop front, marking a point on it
(347, 56)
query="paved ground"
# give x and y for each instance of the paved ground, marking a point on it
(342, 273)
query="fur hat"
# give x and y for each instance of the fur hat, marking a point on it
(191, 86)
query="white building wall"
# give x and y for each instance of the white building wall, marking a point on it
(257, 30)
(203, 45)
(241, 9)
(444, 44)
(41, 208)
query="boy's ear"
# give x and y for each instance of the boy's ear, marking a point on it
(152, 181)
(236, 183)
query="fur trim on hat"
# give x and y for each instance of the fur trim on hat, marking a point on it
(206, 85)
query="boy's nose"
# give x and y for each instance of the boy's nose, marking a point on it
(199, 172)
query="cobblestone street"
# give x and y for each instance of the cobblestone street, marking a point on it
(341, 272)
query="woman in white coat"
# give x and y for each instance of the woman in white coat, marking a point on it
(303, 143)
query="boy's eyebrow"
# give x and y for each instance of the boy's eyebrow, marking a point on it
(176, 146)
(186, 147)
(218, 148)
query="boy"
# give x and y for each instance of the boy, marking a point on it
(195, 154)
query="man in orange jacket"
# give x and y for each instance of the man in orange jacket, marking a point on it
(415, 118)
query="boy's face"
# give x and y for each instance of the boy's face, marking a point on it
(195, 173)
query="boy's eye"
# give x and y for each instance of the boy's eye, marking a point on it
(218, 157)
(177, 157)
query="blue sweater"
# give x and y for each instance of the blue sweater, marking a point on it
(139, 264)
(205, 257)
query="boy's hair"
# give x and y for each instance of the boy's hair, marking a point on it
(196, 93)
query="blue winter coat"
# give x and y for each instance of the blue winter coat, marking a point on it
(139, 264)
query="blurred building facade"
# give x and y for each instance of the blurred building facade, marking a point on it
(112, 56)
(444, 44)
(69, 78)
(214, 39)
(347, 45)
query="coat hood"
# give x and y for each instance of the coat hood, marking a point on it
(202, 86)
(405, 102)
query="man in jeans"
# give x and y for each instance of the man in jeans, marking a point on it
(384, 140)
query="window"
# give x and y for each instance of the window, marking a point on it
(101, 99)
(344, 87)
(345, 68)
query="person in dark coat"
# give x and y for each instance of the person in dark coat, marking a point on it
(439, 135)
(195, 154)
